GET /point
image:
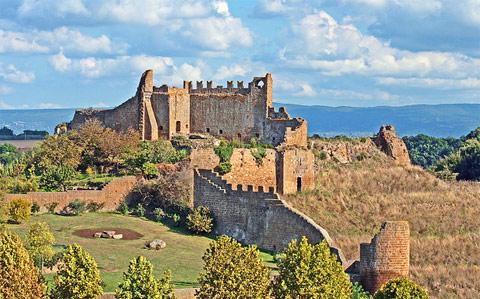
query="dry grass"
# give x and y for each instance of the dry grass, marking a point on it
(352, 200)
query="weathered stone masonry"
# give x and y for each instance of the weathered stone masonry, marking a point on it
(232, 112)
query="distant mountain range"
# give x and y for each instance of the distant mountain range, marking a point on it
(436, 120)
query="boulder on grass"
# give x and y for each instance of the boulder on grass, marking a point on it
(108, 234)
(118, 236)
(156, 244)
(97, 235)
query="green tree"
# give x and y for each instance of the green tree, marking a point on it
(200, 220)
(231, 271)
(78, 276)
(40, 242)
(311, 271)
(139, 282)
(8, 153)
(19, 210)
(401, 288)
(468, 167)
(57, 151)
(56, 178)
(18, 276)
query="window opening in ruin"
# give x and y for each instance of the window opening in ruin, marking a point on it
(160, 128)
(299, 184)
(178, 126)
(208, 130)
(257, 135)
(239, 136)
(186, 126)
(220, 131)
(273, 139)
(260, 84)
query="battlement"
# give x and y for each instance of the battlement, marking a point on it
(280, 114)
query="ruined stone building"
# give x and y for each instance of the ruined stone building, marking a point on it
(240, 112)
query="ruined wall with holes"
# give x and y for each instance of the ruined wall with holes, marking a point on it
(386, 257)
(111, 195)
(254, 217)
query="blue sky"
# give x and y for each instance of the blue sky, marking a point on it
(91, 53)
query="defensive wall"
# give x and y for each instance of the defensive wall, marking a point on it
(111, 195)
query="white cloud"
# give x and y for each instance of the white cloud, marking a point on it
(5, 89)
(10, 73)
(60, 62)
(32, 8)
(320, 43)
(226, 72)
(49, 105)
(19, 42)
(306, 91)
(221, 7)
(5, 105)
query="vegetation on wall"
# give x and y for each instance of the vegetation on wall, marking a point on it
(225, 151)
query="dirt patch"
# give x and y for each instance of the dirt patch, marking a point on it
(128, 234)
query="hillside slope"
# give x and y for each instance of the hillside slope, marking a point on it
(352, 199)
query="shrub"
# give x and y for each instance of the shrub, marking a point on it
(139, 282)
(76, 207)
(150, 170)
(224, 151)
(40, 242)
(159, 214)
(95, 206)
(78, 276)
(258, 153)
(51, 207)
(311, 271)
(322, 155)
(362, 156)
(224, 168)
(123, 208)
(19, 210)
(399, 288)
(176, 219)
(35, 208)
(18, 276)
(140, 210)
(56, 178)
(200, 220)
(359, 293)
(231, 271)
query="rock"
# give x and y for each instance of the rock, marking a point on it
(97, 235)
(108, 234)
(156, 244)
(392, 146)
(118, 236)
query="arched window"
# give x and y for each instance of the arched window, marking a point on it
(178, 126)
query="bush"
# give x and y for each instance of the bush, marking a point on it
(200, 220)
(150, 170)
(139, 210)
(139, 282)
(95, 206)
(159, 214)
(123, 208)
(19, 210)
(231, 271)
(18, 276)
(224, 168)
(78, 276)
(76, 207)
(35, 208)
(359, 293)
(51, 207)
(176, 219)
(400, 288)
(258, 152)
(224, 151)
(40, 242)
(311, 271)
(56, 178)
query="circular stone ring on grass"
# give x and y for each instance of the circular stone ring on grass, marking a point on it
(89, 233)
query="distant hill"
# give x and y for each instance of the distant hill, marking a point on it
(435, 120)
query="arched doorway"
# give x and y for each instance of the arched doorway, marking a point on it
(178, 126)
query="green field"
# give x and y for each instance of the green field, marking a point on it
(183, 254)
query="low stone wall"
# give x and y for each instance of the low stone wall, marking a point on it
(111, 195)
(254, 217)
(386, 257)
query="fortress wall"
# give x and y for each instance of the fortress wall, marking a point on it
(251, 217)
(288, 131)
(179, 111)
(161, 108)
(386, 257)
(246, 171)
(295, 170)
(228, 115)
(121, 118)
(111, 195)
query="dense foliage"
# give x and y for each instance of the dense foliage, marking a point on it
(231, 271)
(200, 220)
(78, 276)
(400, 288)
(427, 150)
(311, 271)
(18, 276)
(139, 282)
(40, 242)
(19, 210)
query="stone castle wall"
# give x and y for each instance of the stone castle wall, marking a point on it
(254, 217)
(295, 170)
(111, 195)
(386, 257)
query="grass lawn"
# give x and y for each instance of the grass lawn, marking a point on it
(183, 254)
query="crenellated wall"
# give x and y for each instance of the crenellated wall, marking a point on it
(254, 217)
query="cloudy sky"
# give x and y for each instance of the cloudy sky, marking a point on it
(82, 53)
